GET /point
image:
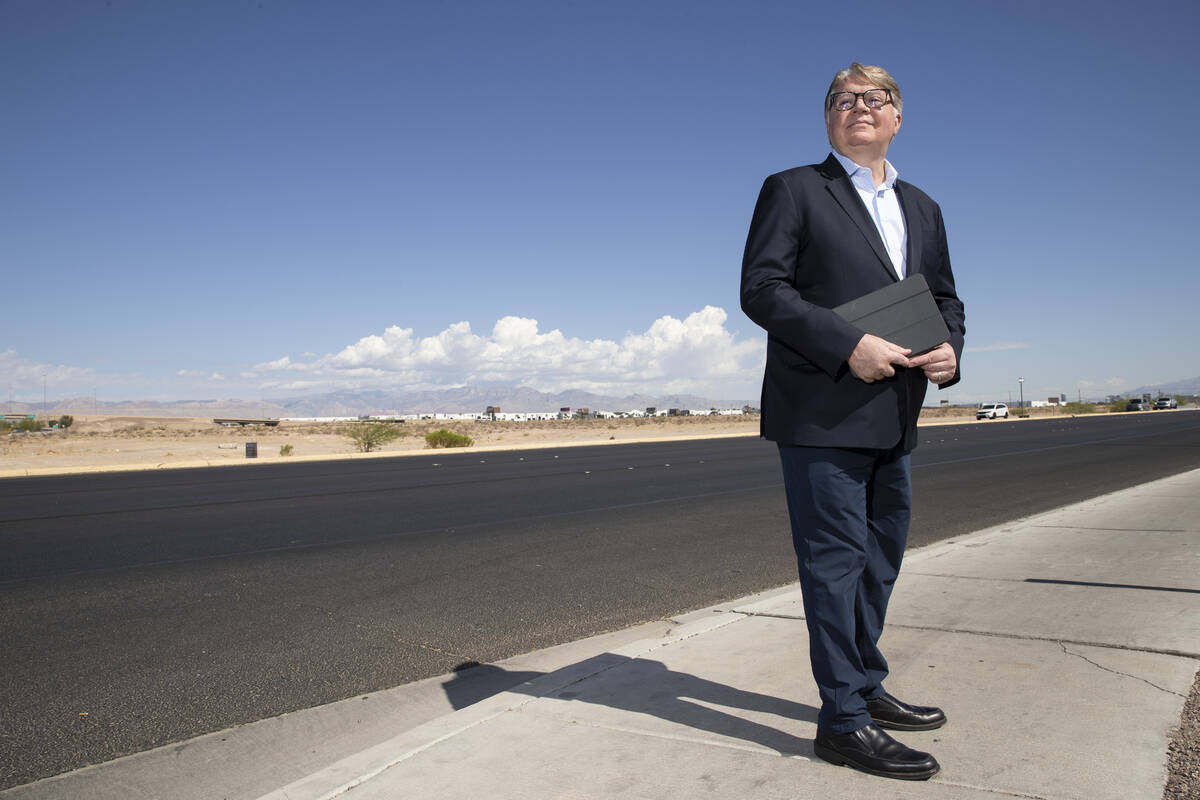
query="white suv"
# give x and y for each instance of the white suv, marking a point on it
(992, 411)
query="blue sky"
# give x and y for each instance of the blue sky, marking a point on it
(262, 199)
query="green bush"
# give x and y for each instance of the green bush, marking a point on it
(29, 425)
(445, 438)
(285, 449)
(5, 426)
(65, 421)
(368, 436)
(1079, 408)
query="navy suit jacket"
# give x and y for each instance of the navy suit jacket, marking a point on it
(813, 246)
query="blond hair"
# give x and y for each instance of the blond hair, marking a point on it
(876, 75)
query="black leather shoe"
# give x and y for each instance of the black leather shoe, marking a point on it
(871, 750)
(888, 712)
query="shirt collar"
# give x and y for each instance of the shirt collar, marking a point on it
(861, 176)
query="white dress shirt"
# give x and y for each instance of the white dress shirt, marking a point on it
(883, 207)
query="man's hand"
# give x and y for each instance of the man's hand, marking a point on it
(874, 359)
(939, 363)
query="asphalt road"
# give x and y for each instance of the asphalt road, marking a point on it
(138, 609)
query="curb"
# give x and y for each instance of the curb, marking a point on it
(343, 776)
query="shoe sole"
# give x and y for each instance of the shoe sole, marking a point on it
(900, 726)
(837, 760)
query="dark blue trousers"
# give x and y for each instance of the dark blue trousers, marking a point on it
(849, 510)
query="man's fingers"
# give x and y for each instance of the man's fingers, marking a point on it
(875, 358)
(941, 357)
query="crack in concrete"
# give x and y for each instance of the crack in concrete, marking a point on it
(1116, 671)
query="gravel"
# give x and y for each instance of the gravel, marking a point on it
(1183, 755)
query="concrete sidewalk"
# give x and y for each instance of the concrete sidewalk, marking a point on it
(1061, 646)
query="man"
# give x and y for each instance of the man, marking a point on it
(842, 404)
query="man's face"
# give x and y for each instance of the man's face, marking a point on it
(860, 126)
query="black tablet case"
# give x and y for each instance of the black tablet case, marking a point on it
(904, 313)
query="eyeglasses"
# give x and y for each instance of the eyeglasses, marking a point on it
(874, 99)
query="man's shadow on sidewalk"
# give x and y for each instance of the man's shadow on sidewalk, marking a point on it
(642, 686)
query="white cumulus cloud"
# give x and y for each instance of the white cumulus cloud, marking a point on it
(694, 354)
(21, 371)
(196, 373)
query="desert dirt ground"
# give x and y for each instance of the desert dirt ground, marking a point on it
(98, 442)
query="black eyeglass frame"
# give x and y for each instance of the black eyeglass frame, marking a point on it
(829, 99)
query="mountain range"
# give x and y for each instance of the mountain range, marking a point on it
(378, 402)
(1190, 386)
(447, 401)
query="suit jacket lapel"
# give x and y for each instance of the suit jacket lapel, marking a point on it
(912, 232)
(847, 197)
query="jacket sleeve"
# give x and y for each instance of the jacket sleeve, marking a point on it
(774, 252)
(946, 296)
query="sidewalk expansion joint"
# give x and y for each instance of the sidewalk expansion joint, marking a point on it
(766, 614)
(1159, 651)
(1058, 582)
(759, 750)
(990, 790)
(1117, 671)
(1114, 530)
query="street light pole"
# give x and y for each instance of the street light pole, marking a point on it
(1021, 385)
